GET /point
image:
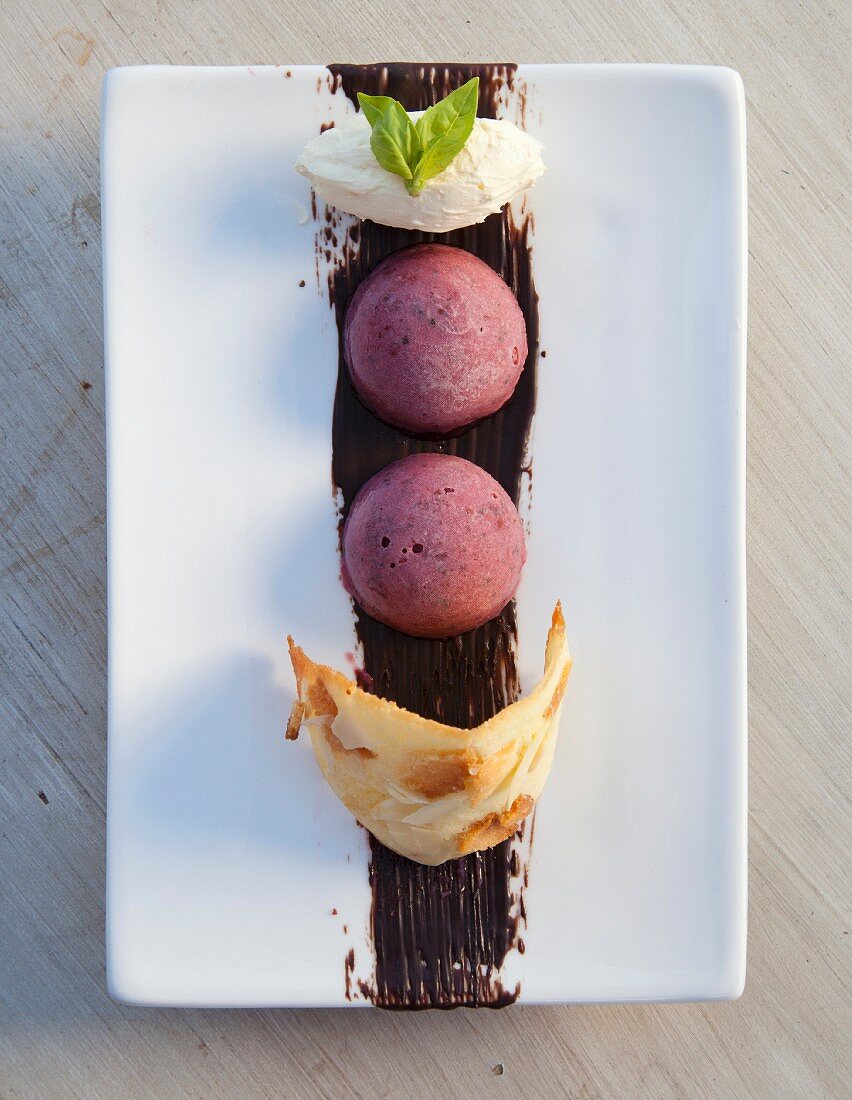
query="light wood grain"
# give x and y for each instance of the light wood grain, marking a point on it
(59, 1033)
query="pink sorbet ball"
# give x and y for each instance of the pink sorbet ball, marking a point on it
(434, 340)
(433, 546)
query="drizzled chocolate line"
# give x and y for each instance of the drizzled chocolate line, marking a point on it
(440, 934)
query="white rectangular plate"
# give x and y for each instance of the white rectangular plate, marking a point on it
(227, 854)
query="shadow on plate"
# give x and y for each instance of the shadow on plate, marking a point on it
(211, 770)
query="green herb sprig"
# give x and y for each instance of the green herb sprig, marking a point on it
(419, 151)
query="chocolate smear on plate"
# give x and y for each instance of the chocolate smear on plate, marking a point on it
(440, 934)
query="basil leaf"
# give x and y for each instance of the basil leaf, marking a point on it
(374, 106)
(440, 154)
(394, 141)
(452, 118)
(417, 153)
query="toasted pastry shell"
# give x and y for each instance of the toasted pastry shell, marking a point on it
(428, 791)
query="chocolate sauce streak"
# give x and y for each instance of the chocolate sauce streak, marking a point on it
(440, 934)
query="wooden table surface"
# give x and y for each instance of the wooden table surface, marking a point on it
(60, 1035)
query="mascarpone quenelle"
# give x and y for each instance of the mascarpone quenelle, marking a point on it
(498, 162)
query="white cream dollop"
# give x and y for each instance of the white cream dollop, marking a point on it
(497, 162)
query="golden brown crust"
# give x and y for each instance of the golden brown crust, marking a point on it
(489, 771)
(438, 775)
(301, 663)
(315, 695)
(556, 698)
(493, 828)
(294, 722)
(320, 701)
(336, 745)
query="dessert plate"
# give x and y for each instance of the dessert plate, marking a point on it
(234, 875)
